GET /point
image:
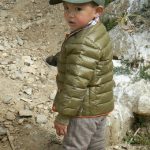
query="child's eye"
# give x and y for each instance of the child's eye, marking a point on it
(78, 9)
(66, 8)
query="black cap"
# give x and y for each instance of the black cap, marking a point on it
(53, 2)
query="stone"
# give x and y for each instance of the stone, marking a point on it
(52, 95)
(2, 48)
(5, 55)
(28, 126)
(28, 69)
(33, 1)
(12, 67)
(26, 100)
(10, 116)
(20, 41)
(7, 99)
(41, 119)
(26, 26)
(27, 60)
(28, 91)
(20, 121)
(2, 119)
(3, 29)
(144, 105)
(4, 62)
(17, 75)
(4, 139)
(25, 113)
(3, 131)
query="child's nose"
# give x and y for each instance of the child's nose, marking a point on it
(71, 13)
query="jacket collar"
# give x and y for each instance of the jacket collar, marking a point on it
(91, 23)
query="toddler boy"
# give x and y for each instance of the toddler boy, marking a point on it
(85, 77)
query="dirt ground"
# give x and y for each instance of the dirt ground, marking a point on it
(30, 31)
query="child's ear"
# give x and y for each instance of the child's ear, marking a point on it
(99, 11)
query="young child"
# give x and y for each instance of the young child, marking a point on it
(85, 77)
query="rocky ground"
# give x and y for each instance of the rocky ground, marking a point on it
(30, 31)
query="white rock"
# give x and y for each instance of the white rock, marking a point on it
(17, 75)
(2, 48)
(5, 55)
(7, 99)
(10, 116)
(28, 126)
(12, 67)
(27, 60)
(28, 91)
(25, 113)
(33, 1)
(41, 119)
(3, 29)
(52, 95)
(144, 105)
(28, 69)
(4, 62)
(3, 131)
(20, 41)
(26, 26)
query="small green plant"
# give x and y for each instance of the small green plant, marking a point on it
(110, 24)
(124, 69)
(145, 72)
(140, 133)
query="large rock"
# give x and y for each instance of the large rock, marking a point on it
(130, 98)
(130, 46)
(144, 105)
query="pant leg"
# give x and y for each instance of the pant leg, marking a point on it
(80, 132)
(98, 139)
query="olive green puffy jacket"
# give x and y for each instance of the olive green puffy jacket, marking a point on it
(85, 75)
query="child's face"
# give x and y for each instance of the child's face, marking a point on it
(79, 15)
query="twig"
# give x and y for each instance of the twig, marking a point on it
(134, 135)
(10, 141)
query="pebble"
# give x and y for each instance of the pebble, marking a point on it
(27, 60)
(20, 41)
(28, 91)
(20, 121)
(3, 131)
(4, 62)
(12, 67)
(52, 95)
(10, 116)
(7, 99)
(2, 119)
(28, 69)
(2, 48)
(28, 126)
(26, 26)
(5, 55)
(17, 75)
(116, 147)
(41, 119)
(33, 1)
(25, 113)
(4, 139)
(3, 29)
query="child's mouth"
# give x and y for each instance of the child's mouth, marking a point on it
(71, 22)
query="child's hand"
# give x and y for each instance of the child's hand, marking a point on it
(60, 129)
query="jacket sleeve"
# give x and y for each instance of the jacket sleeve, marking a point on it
(79, 68)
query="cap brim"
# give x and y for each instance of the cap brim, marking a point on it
(53, 2)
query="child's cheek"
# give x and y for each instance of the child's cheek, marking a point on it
(82, 22)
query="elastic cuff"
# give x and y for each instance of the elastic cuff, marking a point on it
(62, 119)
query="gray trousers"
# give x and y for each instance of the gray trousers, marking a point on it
(85, 134)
